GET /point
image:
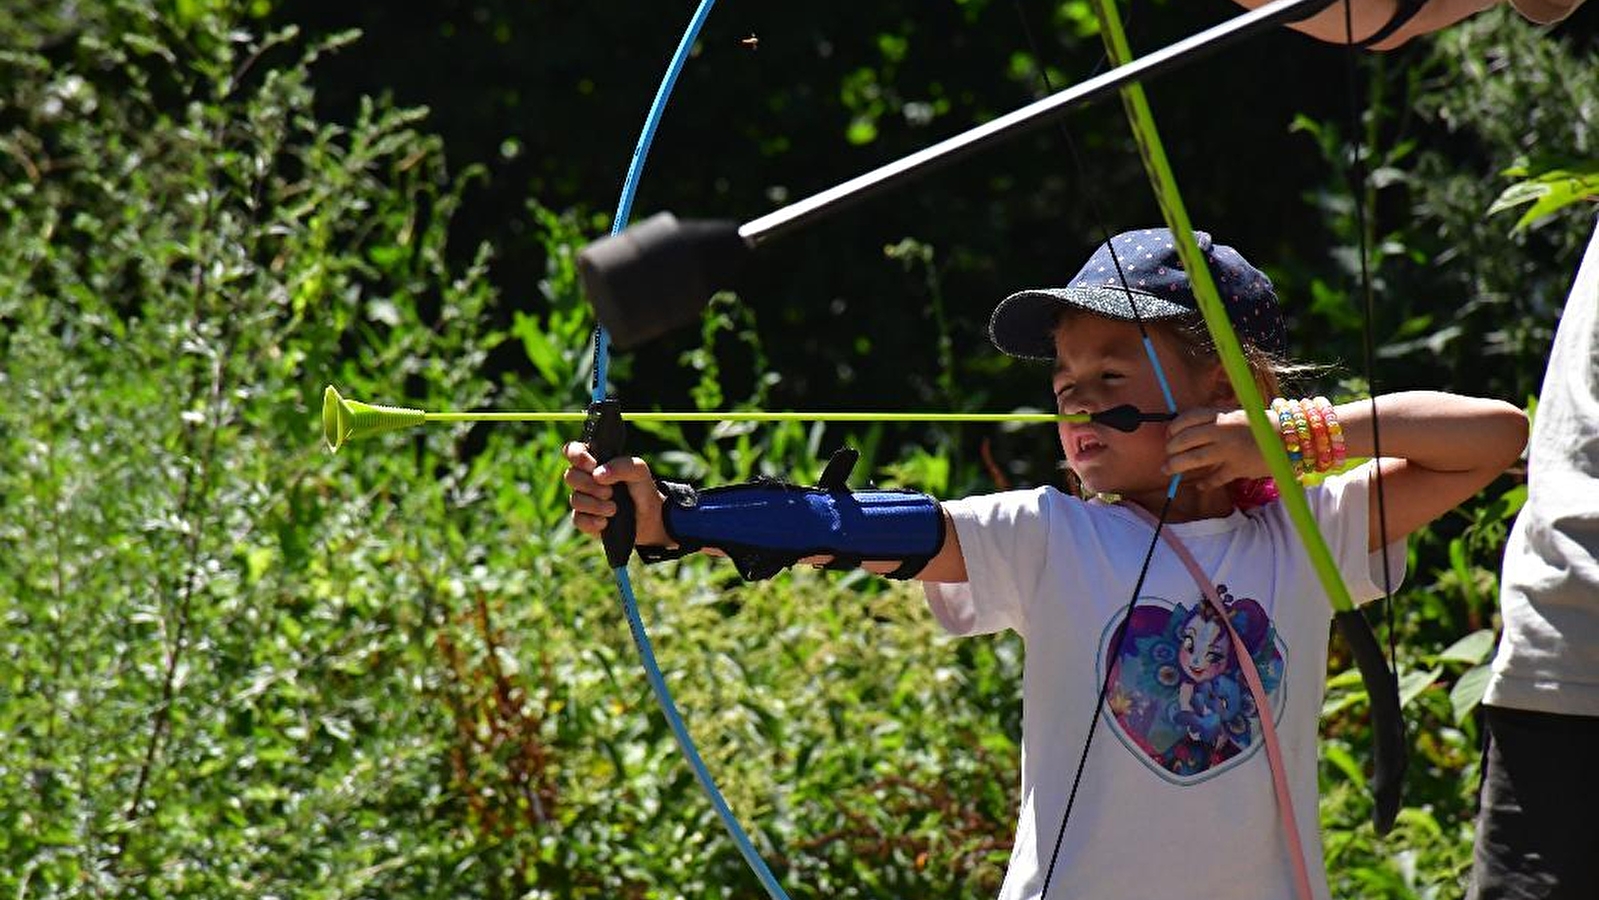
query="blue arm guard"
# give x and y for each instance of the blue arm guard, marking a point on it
(767, 525)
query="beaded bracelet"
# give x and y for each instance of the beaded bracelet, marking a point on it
(1311, 434)
(1335, 431)
(1290, 434)
(1319, 434)
(1306, 442)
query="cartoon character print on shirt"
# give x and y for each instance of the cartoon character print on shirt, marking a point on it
(1177, 693)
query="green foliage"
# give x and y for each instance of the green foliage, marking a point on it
(225, 677)
(239, 667)
(242, 667)
(1546, 193)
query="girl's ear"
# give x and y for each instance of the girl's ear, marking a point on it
(1219, 389)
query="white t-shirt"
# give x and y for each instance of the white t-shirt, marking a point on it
(1548, 659)
(1176, 798)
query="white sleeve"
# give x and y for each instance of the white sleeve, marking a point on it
(1341, 506)
(1003, 538)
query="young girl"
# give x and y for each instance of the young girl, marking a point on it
(1177, 797)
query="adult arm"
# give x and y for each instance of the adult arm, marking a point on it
(1369, 16)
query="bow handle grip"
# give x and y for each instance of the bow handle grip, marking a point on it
(606, 436)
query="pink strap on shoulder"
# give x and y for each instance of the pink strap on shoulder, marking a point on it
(1246, 662)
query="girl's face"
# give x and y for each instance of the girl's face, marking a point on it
(1100, 363)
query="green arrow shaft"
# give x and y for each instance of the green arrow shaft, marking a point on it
(756, 416)
(343, 420)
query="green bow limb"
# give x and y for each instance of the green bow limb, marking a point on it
(1382, 687)
(1175, 214)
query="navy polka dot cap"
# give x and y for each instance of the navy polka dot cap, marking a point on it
(1022, 324)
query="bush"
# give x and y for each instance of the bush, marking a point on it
(239, 666)
(224, 678)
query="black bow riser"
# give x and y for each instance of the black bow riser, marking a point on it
(659, 274)
(606, 436)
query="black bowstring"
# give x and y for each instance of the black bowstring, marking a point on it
(1357, 188)
(1358, 177)
(1120, 633)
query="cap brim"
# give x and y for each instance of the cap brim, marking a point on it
(1023, 323)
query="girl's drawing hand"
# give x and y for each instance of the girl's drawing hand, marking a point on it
(592, 484)
(1211, 447)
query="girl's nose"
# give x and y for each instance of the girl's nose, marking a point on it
(1082, 401)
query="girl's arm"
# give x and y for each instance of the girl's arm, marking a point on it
(1438, 450)
(948, 565)
(592, 485)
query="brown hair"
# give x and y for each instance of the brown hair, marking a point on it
(1199, 348)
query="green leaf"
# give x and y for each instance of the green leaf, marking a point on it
(1547, 193)
(1506, 505)
(1467, 693)
(1460, 564)
(387, 256)
(1344, 690)
(1339, 757)
(544, 353)
(1412, 683)
(862, 130)
(1473, 649)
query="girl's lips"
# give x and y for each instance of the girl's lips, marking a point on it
(1086, 445)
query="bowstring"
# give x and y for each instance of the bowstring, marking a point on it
(1120, 632)
(1357, 189)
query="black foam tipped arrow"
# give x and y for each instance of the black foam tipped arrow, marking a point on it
(659, 273)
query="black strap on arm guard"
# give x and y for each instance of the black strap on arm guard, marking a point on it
(767, 525)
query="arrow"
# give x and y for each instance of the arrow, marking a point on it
(345, 420)
(658, 274)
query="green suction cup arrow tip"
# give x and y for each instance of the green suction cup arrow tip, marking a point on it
(336, 424)
(345, 420)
